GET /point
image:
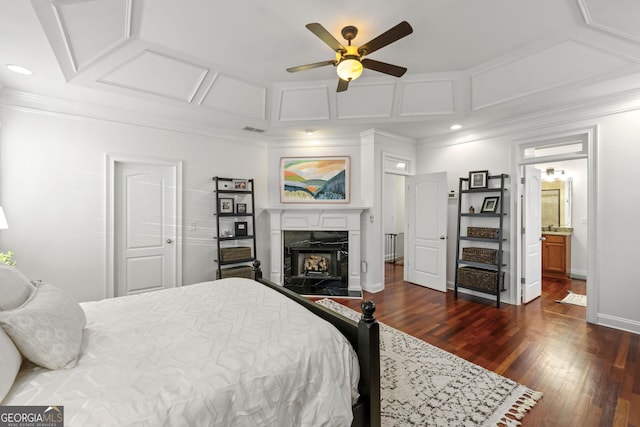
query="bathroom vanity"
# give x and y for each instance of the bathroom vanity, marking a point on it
(556, 253)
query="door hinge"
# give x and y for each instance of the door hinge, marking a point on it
(522, 180)
(523, 231)
(523, 280)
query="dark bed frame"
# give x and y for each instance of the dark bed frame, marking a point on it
(363, 335)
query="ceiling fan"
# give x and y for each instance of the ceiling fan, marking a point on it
(349, 62)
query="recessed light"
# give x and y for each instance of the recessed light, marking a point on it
(456, 126)
(309, 132)
(19, 69)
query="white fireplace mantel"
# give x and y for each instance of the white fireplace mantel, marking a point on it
(342, 218)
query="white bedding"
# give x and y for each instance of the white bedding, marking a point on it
(225, 353)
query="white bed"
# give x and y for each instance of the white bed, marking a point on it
(222, 353)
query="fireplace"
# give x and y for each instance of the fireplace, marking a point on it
(311, 263)
(316, 262)
(332, 232)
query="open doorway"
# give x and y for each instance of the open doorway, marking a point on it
(394, 223)
(394, 218)
(570, 151)
(564, 218)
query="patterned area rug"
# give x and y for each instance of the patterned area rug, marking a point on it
(575, 299)
(422, 385)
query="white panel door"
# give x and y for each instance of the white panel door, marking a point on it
(532, 239)
(426, 230)
(145, 227)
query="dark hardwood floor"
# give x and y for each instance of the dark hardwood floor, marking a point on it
(589, 374)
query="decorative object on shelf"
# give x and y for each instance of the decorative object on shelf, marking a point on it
(236, 253)
(241, 228)
(482, 255)
(478, 179)
(479, 279)
(483, 232)
(490, 204)
(237, 271)
(225, 206)
(314, 180)
(472, 210)
(239, 184)
(235, 240)
(480, 269)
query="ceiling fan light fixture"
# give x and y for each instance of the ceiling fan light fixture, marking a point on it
(350, 68)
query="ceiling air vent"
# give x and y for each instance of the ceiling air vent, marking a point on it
(250, 129)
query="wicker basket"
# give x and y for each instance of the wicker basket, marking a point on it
(236, 253)
(479, 279)
(239, 271)
(483, 255)
(483, 232)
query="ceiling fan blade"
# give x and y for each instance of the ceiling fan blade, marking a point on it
(310, 66)
(401, 30)
(342, 85)
(325, 36)
(383, 67)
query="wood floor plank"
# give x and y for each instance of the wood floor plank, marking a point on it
(589, 374)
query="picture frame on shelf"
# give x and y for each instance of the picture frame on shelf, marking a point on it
(226, 206)
(241, 208)
(241, 228)
(490, 204)
(315, 179)
(240, 184)
(225, 184)
(478, 179)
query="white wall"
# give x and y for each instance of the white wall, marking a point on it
(457, 160)
(614, 235)
(53, 190)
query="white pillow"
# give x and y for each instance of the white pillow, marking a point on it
(15, 288)
(10, 361)
(47, 329)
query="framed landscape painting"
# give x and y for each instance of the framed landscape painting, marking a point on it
(314, 180)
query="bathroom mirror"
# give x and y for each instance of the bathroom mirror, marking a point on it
(556, 203)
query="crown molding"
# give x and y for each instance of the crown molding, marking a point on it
(373, 132)
(549, 117)
(24, 101)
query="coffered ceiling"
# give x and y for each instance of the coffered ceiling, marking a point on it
(222, 65)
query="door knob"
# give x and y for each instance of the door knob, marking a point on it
(169, 241)
(543, 238)
(442, 237)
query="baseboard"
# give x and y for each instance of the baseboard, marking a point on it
(618, 323)
(373, 288)
(578, 275)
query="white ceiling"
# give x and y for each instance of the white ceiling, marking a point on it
(221, 65)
